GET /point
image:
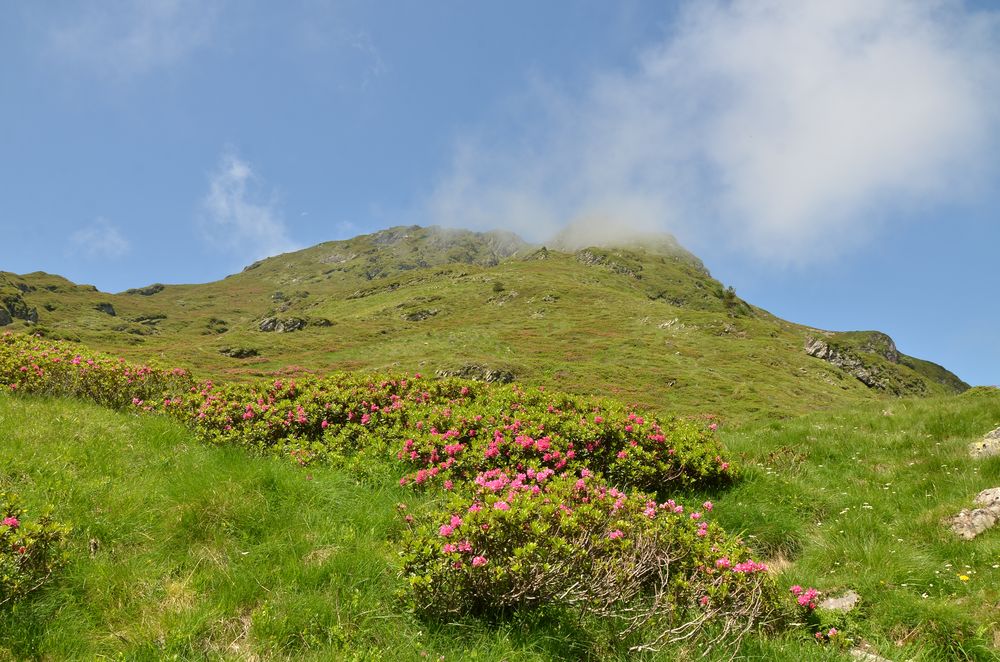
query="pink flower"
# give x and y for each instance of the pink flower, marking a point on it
(704, 600)
(478, 561)
(446, 530)
(501, 505)
(832, 632)
(707, 506)
(713, 427)
(616, 534)
(456, 521)
(448, 548)
(723, 563)
(324, 424)
(696, 516)
(12, 522)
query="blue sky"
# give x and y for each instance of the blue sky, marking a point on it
(837, 163)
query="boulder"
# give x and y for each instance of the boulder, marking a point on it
(970, 523)
(479, 373)
(276, 325)
(987, 446)
(844, 603)
(106, 308)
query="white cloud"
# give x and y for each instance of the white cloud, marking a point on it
(788, 127)
(123, 38)
(235, 217)
(100, 240)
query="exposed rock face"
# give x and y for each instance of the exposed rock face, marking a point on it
(987, 447)
(276, 325)
(147, 291)
(5, 317)
(239, 352)
(420, 315)
(970, 523)
(17, 308)
(106, 308)
(845, 360)
(479, 373)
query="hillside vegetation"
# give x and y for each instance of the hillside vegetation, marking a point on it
(180, 549)
(646, 323)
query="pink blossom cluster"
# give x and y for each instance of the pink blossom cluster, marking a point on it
(806, 597)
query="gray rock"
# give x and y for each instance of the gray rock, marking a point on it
(987, 446)
(970, 523)
(846, 361)
(846, 602)
(479, 373)
(867, 656)
(106, 308)
(239, 352)
(5, 317)
(420, 315)
(276, 325)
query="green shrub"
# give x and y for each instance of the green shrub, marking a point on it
(30, 364)
(30, 550)
(520, 541)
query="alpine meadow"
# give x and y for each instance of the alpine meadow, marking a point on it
(501, 332)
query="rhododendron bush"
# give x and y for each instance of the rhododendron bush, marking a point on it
(32, 365)
(30, 550)
(536, 538)
(547, 499)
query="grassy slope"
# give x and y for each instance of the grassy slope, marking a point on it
(204, 554)
(582, 322)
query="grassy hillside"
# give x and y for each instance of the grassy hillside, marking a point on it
(186, 551)
(646, 323)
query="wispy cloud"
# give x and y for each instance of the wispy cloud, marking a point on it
(100, 240)
(239, 217)
(123, 38)
(784, 127)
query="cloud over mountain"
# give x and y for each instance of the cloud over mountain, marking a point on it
(789, 128)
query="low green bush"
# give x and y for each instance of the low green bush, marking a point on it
(659, 571)
(30, 550)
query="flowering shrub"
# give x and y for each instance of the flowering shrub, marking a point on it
(521, 540)
(31, 365)
(30, 550)
(440, 431)
(446, 431)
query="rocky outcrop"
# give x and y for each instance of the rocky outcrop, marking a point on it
(592, 258)
(478, 373)
(239, 352)
(5, 317)
(847, 361)
(988, 446)
(420, 315)
(106, 308)
(277, 325)
(17, 308)
(970, 523)
(147, 291)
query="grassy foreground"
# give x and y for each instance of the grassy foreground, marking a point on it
(184, 551)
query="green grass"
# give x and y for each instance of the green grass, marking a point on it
(207, 553)
(648, 325)
(855, 500)
(204, 553)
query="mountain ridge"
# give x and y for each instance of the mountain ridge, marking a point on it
(647, 323)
